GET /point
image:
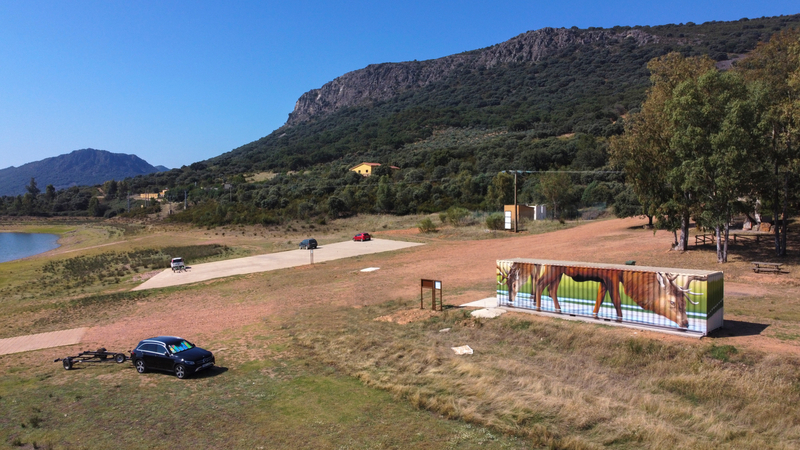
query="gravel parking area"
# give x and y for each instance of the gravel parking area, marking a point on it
(271, 261)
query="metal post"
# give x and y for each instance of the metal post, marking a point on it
(311, 251)
(516, 208)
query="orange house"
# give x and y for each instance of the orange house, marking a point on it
(365, 168)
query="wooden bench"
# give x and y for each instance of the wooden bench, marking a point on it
(759, 267)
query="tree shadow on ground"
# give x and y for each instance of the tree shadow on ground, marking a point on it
(748, 249)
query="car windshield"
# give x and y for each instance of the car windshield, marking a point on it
(180, 346)
(177, 260)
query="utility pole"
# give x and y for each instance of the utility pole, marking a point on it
(516, 208)
(185, 201)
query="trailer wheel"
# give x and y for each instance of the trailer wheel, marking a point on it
(180, 371)
(119, 358)
(67, 363)
(140, 367)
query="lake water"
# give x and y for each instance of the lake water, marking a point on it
(21, 245)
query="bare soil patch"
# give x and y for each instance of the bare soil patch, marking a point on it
(467, 270)
(408, 315)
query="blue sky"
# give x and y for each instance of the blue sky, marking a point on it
(177, 82)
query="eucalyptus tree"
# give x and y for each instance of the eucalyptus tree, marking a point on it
(716, 137)
(555, 188)
(501, 191)
(776, 65)
(645, 150)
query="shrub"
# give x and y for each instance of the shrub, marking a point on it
(458, 216)
(722, 352)
(426, 226)
(495, 221)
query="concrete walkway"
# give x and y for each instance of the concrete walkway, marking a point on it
(489, 302)
(271, 261)
(41, 340)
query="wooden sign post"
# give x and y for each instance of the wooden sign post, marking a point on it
(436, 288)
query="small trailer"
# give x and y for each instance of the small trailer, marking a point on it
(101, 355)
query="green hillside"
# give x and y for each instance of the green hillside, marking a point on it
(452, 137)
(583, 89)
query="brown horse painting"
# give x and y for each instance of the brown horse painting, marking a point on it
(658, 292)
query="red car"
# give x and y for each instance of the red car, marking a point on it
(362, 237)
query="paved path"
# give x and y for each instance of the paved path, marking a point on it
(271, 261)
(42, 340)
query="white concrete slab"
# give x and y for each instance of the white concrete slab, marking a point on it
(490, 302)
(271, 261)
(42, 340)
(488, 313)
(609, 322)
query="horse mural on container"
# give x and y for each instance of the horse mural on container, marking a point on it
(658, 292)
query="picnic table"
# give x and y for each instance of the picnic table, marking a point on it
(759, 267)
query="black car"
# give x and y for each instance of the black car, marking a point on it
(170, 354)
(308, 244)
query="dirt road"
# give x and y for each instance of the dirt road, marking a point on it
(466, 269)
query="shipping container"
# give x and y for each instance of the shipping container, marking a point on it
(680, 299)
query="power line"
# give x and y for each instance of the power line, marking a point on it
(563, 171)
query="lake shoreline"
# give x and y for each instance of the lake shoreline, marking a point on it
(19, 245)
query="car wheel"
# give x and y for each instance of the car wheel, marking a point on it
(180, 371)
(140, 367)
(67, 363)
(119, 358)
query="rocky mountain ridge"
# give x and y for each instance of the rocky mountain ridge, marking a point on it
(378, 82)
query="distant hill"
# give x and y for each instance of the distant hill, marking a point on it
(85, 167)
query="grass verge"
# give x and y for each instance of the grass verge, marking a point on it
(261, 395)
(568, 384)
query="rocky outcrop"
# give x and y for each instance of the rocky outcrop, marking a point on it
(378, 82)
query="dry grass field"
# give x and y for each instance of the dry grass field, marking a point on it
(303, 363)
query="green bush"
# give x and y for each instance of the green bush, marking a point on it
(458, 216)
(495, 221)
(426, 226)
